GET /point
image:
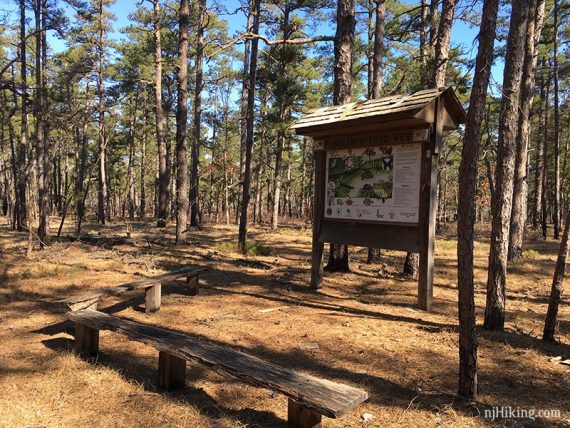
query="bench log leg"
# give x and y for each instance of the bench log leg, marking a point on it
(193, 285)
(86, 340)
(152, 299)
(299, 416)
(171, 371)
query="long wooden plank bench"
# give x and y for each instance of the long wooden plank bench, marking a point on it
(152, 287)
(309, 397)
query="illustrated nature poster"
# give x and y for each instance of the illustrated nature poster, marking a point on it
(374, 183)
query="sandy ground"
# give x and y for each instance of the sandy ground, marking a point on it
(365, 324)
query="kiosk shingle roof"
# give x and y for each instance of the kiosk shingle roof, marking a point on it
(394, 107)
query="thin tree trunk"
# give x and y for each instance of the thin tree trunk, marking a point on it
(557, 283)
(556, 208)
(163, 164)
(246, 185)
(244, 97)
(102, 194)
(378, 49)
(195, 179)
(545, 181)
(539, 161)
(441, 56)
(142, 206)
(466, 203)
(520, 192)
(344, 43)
(181, 126)
(21, 212)
(502, 206)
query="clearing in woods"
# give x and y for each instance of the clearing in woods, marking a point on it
(362, 329)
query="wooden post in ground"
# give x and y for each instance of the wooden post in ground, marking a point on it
(318, 213)
(86, 340)
(152, 298)
(428, 208)
(171, 371)
(299, 416)
(193, 284)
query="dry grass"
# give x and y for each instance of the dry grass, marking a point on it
(365, 324)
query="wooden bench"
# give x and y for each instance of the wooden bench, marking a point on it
(152, 287)
(309, 396)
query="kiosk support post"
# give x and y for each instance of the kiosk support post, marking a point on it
(318, 212)
(428, 207)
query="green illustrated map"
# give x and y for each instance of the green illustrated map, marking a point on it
(367, 173)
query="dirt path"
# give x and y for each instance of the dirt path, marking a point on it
(361, 329)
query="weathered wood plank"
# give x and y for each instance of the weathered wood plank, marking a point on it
(299, 416)
(83, 301)
(171, 371)
(152, 298)
(193, 283)
(86, 340)
(323, 396)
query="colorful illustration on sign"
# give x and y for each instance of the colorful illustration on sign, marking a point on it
(376, 181)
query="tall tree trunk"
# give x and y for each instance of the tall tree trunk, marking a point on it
(520, 192)
(344, 42)
(131, 166)
(557, 283)
(142, 205)
(378, 49)
(42, 156)
(246, 185)
(102, 193)
(539, 160)
(196, 142)
(543, 205)
(466, 203)
(377, 71)
(502, 204)
(21, 211)
(441, 56)
(437, 79)
(181, 125)
(556, 207)
(244, 97)
(163, 163)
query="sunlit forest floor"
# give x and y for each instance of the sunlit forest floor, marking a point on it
(364, 324)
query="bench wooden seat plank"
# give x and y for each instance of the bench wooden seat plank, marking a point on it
(88, 299)
(324, 397)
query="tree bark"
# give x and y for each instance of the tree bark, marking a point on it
(142, 205)
(441, 55)
(181, 125)
(545, 183)
(195, 219)
(344, 42)
(557, 283)
(163, 164)
(520, 192)
(21, 211)
(502, 206)
(466, 202)
(378, 49)
(102, 192)
(539, 160)
(556, 201)
(246, 185)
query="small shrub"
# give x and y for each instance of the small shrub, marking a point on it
(256, 248)
(252, 248)
(530, 254)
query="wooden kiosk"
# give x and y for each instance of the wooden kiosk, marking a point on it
(376, 175)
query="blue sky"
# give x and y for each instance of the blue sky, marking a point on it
(462, 33)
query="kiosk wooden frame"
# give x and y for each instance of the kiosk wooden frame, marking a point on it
(421, 117)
